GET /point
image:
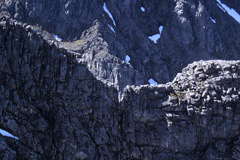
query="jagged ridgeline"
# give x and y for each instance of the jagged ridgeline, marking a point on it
(95, 79)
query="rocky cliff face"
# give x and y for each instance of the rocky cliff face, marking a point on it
(188, 34)
(79, 99)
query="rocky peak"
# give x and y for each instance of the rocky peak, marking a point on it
(68, 92)
(189, 32)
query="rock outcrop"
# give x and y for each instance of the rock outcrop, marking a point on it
(192, 30)
(78, 98)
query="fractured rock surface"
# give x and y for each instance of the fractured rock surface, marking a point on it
(188, 33)
(79, 99)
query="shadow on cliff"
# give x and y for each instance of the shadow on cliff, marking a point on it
(50, 100)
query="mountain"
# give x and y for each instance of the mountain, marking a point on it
(68, 92)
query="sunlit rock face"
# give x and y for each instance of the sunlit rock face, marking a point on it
(83, 80)
(188, 33)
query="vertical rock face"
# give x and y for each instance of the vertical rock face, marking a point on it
(50, 101)
(68, 99)
(192, 30)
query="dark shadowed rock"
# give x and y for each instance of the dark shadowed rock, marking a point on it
(188, 33)
(79, 99)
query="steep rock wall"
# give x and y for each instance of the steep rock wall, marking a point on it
(188, 33)
(59, 110)
(50, 101)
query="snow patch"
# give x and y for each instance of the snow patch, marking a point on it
(142, 9)
(152, 82)
(155, 37)
(221, 7)
(127, 58)
(57, 38)
(229, 10)
(213, 20)
(160, 29)
(111, 28)
(109, 13)
(7, 134)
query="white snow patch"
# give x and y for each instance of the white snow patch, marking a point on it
(109, 13)
(7, 134)
(221, 7)
(152, 82)
(160, 29)
(213, 20)
(57, 38)
(142, 9)
(155, 37)
(127, 58)
(229, 10)
(111, 28)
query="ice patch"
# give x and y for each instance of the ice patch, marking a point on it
(109, 13)
(111, 28)
(213, 20)
(57, 38)
(152, 82)
(127, 58)
(229, 10)
(142, 9)
(155, 37)
(7, 134)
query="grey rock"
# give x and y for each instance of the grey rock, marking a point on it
(6, 152)
(79, 99)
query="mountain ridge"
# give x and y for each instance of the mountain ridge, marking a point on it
(78, 98)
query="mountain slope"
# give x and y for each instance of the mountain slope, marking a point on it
(79, 99)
